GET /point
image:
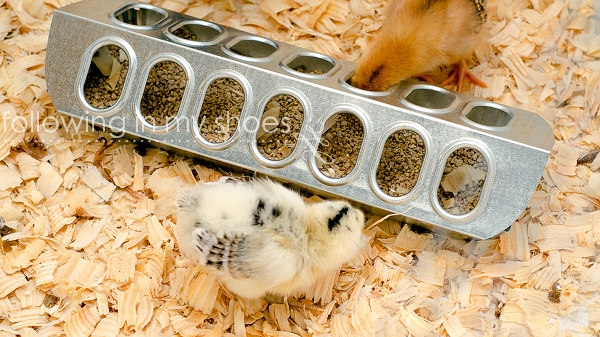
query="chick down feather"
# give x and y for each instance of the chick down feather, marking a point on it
(260, 237)
(418, 36)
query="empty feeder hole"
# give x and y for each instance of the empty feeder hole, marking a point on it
(140, 16)
(106, 76)
(197, 32)
(310, 65)
(253, 48)
(221, 109)
(279, 127)
(400, 163)
(431, 99)
(340, 145)
(163, 92)
(462, 181)
(489, 116)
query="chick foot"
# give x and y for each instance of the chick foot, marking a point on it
(458, 75)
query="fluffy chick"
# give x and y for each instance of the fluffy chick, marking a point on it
(418, 36)
(259, 237)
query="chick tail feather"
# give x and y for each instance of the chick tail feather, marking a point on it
(224, 254)
(204, 241)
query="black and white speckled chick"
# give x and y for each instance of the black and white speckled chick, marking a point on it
(260, 237)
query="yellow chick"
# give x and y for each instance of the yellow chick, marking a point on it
(418, 36)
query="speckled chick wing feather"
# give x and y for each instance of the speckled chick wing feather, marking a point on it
(260, 237)
(416, 37)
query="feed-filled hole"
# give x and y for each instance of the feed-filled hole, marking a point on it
(106, 75)
(279, 127)
(310, 65)
(140, 16)
(489, 116)
(431, 99)
(462, 181)
(163, 92)
(400, 163)
(197, 32)
(340, 145)
(253, 48)
(221, 109)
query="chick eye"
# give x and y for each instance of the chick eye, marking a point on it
(335, 221)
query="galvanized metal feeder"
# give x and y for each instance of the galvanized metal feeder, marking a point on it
(513, 144)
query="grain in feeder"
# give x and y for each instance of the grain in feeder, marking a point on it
(197, 31)
(163, 92)
(279, 127)
(185, 33)
(303, 69)
(462, 181)
(310, 63)
(221, 109)
(400, 163)
(340, 145)
(106, 76)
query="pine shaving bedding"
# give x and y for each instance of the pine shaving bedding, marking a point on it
(84, 254)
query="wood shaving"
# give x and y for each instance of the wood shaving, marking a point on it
(107, 326)
(458, 179)
(454, 327)
(11, 133)
(26, 318)
(49, 180)
(11, 283)
(93, 178)
(200, 291)
(10, 178)
(44, 267)
(524, 312)
(430, 269)
(9, 212)
(83, 322)
(415, 324)
(88, 232)
(20, 258)
(121, 265)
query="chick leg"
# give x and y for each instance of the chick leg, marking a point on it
(425, 78)
(458, 75)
